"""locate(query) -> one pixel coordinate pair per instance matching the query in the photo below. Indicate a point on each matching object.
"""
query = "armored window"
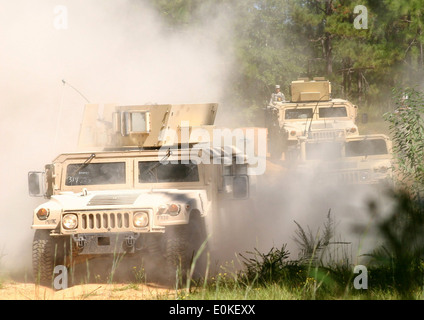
(332, 112)
(82, 174)
(298, 113)
(135, 122)
(138, 122)
(155, 171)
(366, 147)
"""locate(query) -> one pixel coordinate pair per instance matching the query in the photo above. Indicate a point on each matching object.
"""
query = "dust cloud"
(118, 51)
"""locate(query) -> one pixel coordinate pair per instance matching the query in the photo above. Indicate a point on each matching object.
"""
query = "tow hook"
(130, 241)
(81, 241)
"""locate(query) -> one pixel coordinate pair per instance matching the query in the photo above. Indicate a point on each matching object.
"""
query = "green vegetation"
(407, 130)
(277, 41)
(395, 270)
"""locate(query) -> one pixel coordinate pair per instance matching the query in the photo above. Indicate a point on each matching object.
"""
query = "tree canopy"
(277, 41)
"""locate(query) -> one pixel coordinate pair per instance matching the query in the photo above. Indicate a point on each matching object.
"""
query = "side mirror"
(36, 185)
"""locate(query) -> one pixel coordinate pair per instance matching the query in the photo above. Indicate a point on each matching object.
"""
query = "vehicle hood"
(111, 199)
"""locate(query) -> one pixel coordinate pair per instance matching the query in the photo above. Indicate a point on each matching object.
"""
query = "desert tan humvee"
(311, 112)
(364, 159)
(142, 182)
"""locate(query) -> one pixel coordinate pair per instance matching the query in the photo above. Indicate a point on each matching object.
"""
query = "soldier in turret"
(277, 96)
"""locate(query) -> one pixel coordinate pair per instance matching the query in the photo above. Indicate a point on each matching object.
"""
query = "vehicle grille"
(104, 221)
(326, 135)
(107, 221)
(346, 177)
(357, 176)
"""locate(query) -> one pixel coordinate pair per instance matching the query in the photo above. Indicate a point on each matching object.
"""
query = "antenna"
(66, 83)
(313, 113)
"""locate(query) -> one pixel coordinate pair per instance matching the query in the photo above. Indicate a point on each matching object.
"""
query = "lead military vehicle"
(310, 112)
(140, 183)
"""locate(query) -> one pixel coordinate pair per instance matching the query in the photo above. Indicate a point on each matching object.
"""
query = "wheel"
(182, 250)
(197, 248)
(176, 259)
(47, 252)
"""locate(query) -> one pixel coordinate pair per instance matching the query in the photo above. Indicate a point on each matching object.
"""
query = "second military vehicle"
(311, 112)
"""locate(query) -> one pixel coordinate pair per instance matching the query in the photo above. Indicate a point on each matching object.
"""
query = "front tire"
(176, 260)
(181, 246)
(47, 252)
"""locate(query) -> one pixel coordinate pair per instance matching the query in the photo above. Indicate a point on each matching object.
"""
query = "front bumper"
(110, 243)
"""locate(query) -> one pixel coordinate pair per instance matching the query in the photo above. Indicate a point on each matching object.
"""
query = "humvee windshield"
(154, 171)
(366, 147)
(82, 174)
(323, 151)
(332, 112)
(305, 113)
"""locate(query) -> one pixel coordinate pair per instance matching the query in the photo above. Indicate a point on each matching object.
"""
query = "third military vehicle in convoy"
(363, 159)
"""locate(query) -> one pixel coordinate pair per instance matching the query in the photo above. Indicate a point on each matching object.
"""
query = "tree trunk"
(328, 54)
(327, 42)
(359, 86)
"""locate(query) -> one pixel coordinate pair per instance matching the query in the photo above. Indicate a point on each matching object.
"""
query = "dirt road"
(11, 290)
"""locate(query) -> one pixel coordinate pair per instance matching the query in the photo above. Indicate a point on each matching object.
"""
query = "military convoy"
(318, 135)
(155, 179)
(140, 183)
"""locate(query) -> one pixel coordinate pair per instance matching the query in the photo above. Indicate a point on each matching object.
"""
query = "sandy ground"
(11, 290)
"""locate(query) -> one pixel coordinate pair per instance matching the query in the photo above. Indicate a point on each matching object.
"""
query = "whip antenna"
(64, 83)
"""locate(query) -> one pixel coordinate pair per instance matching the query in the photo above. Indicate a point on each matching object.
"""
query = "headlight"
(172, 209)
(70, 221)
(364, 175)
(381, 169)
(43, 213)
(141, 219)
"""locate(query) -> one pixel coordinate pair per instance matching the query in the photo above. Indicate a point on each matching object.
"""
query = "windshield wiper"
(157, 164)
(86, 162)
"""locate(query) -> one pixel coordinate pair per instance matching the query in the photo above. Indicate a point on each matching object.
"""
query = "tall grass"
(398, 263)
(395, 270)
